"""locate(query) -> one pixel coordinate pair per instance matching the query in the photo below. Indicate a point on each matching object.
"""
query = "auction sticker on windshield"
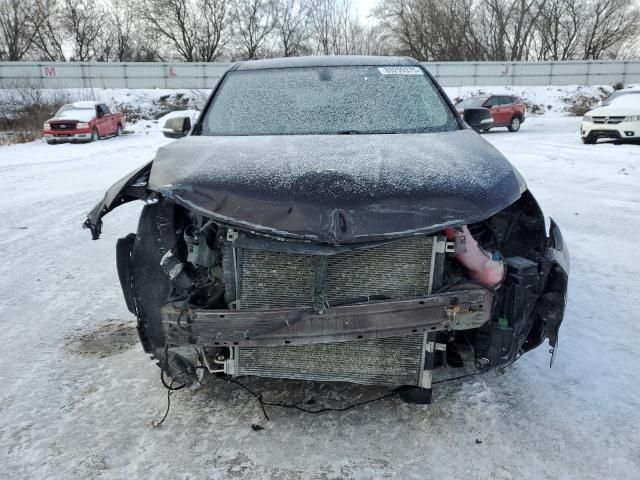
(400, 70)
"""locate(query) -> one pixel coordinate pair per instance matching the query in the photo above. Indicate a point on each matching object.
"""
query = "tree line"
(216, 30)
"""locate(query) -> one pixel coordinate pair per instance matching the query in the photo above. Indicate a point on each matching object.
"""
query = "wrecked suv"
(333, 219)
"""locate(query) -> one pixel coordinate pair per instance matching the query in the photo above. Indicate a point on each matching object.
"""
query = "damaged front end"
(391, 310)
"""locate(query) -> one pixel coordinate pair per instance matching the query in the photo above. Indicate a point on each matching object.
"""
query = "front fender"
(131, 187)
(552, 303)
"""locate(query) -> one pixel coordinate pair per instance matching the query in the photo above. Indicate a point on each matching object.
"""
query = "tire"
(514, 125)
(150, 285)
(415, 395)
(95, 136)
(588, 140)
(119, 131)
(51, 142)
(485, 130)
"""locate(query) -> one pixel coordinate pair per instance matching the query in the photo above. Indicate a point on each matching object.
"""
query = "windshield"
(327, 100)
(70, 108)
(473, 102)
(616, 96)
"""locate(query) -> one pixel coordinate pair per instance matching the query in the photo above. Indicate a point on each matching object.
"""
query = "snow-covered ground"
(151, 103)
(78, 394)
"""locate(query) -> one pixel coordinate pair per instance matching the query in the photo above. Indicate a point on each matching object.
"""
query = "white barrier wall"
(206, 75)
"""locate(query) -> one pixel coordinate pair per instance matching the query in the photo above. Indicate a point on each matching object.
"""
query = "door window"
(492, 102)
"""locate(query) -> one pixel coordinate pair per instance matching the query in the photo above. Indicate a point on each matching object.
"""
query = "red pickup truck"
(506, 110)
(83, 122)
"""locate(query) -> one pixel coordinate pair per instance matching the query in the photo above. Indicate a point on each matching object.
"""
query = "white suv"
(619, 119)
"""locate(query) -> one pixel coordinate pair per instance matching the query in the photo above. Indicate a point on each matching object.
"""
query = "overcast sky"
(363, 7)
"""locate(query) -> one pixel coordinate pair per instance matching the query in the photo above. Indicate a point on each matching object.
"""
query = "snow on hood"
(338, 188)
(83, 115)
(623, 105)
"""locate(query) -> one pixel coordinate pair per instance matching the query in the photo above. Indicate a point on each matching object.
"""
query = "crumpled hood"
(338, 188)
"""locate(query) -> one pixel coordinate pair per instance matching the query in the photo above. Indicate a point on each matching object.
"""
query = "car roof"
(85, 104)
(325, 61)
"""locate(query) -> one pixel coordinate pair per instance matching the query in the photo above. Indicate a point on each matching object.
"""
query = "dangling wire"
(263, 404)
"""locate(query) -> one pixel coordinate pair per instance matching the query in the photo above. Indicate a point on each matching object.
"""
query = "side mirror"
(176, 127)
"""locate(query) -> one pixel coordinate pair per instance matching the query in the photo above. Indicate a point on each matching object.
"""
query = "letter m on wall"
(49, 71)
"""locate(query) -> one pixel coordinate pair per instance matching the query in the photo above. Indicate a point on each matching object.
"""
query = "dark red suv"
(506, 110)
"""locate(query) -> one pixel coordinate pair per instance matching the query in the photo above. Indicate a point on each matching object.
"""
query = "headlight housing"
(587, 118)
(632, 118)
(83, 125)
(46, 126)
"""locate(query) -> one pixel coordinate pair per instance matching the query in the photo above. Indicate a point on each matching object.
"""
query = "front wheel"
(514, 126)
(588, 140)
(95, 136)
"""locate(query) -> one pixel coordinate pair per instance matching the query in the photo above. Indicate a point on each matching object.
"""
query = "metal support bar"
(429, 361)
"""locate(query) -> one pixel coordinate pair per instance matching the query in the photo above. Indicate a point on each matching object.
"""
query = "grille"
(608, 120)
(384, 361)
(63, 125)
(398, 269)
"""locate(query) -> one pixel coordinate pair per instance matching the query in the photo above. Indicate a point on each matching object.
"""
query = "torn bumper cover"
(449, 311)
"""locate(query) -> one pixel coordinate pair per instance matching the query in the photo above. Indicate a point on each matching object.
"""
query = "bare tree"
(214, 33)
(48, 37)
(82, 20)
(336, 29)
(196, 29)
(254, 21)
(432, 30)
(375, 42)
(292, 27)
(558, 30)
(16, 31)
(609, 24)
(509, 26)
(122, 20)
(325, 17)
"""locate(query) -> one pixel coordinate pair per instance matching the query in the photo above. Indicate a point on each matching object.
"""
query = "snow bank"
(151, 104)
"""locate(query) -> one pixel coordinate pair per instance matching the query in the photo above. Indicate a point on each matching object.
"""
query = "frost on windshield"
(327, 100)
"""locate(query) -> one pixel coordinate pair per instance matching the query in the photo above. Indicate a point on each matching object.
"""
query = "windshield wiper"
(349, 132)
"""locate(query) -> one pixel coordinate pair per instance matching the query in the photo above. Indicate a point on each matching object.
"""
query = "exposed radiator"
(386, 361)
(398, 269)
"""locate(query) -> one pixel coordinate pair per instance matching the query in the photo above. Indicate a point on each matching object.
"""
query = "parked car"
(618, 120)
(506, 110)
(83, 122)
(334, 219)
